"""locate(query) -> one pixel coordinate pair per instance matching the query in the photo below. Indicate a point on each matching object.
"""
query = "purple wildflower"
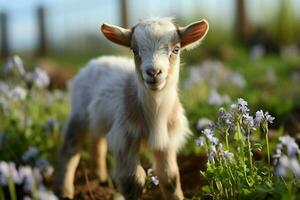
(290, 143)
(203, 123)
(269, 118)
(243, 106)
(27, 177)
(257, 51)
(32, 152)
(200, 141)
(228, 122)
(213, 149)
(41, 78)
(155, 180)
(4, 88)
(212, 153)
(295, 167)
(233, 108)
(288, 164)
(277, 154)
(216, 99)
(4, 173)
(211, 125)
(42, 164)
(209, 134)
(259, 115)
(248, 120)
(14, 62)
(18, 93)
(27, 198)
(281, 169)
(225, 118)
(226, 154)
(219, 146)
(44, 194)
(51, 125)
(222, 112)
(8, 169)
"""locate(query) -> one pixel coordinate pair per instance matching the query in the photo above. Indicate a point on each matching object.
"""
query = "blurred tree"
(242, 28)
(42, 39)
(285, 23)
(124, 13)
(5, 51)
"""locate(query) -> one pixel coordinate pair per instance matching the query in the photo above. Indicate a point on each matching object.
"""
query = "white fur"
(99, 95)
(97, 91)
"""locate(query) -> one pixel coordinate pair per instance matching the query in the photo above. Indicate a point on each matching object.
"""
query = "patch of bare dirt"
(88, 187)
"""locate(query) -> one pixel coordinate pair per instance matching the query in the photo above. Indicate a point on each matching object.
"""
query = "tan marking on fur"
(173, 119)
(173, 64)
(167, 170)
(99, 151)
(67, 182)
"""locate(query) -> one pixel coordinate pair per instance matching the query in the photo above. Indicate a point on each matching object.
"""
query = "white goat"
(132, 104)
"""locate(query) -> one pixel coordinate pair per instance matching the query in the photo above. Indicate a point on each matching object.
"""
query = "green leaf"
(257, 147)
(206, 189)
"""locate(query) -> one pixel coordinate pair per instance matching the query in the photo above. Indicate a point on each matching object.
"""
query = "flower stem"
(1, 194)
(232, 181)
(12, 189)
(226, 138)
(268, 147)
(242, 153)
(249, 149)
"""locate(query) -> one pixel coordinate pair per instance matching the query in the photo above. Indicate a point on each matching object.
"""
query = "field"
(230, 89)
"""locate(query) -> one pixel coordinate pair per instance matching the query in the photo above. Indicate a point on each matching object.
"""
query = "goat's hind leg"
(99, 151)
(69, 156)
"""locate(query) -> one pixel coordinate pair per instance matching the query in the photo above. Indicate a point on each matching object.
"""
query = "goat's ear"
(117, 34)
(192, 34)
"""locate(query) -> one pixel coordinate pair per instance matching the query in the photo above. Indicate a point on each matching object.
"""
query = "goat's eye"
(135, 52)
(175, 50)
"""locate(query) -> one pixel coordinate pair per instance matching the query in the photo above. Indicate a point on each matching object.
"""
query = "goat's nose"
(153, 72)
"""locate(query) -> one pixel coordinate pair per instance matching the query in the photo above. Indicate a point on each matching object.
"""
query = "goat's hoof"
(104, 183)
(117, 196)
(107, 183)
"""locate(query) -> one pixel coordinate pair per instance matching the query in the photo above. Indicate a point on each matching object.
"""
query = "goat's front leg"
(166, 169)
(129, 175)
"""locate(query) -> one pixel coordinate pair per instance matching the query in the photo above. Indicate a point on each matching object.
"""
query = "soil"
(88, 187)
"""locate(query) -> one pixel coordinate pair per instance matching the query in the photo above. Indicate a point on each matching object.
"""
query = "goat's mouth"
(155, 84)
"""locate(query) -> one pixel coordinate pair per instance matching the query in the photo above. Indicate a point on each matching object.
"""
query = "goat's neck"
(159, 103)
(157, 108)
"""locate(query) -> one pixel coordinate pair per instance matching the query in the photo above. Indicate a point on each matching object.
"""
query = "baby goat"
(132, 104)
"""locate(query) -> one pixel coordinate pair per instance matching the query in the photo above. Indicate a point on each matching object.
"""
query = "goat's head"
(156, 46)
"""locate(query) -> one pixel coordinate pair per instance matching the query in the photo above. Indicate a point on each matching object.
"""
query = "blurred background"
(51, 27)
(252, 50)
(257, 39)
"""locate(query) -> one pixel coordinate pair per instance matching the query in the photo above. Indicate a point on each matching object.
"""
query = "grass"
(271, 85)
